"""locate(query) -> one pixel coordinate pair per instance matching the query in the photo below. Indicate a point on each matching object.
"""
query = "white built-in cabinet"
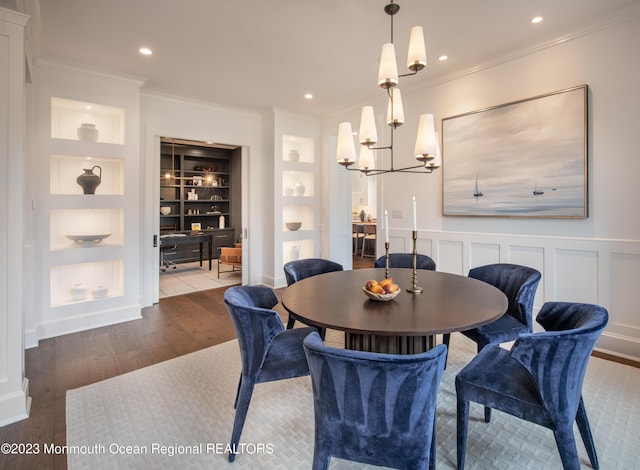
(89, 238)
(86, 229)
(297, 191)
(298, 195)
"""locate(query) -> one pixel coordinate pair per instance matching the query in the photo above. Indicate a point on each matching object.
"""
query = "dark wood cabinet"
(195, 195)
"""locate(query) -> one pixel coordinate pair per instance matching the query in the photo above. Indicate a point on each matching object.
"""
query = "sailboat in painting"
(536, 190)
(476, 191)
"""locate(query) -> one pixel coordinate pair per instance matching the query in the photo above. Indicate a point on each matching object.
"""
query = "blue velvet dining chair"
(298, 270)
(540, 379)
(374, 408)
(268, 351)
(519, 284)
(405, 260)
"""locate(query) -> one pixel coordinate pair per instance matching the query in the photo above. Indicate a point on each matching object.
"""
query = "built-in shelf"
(65, 170)
(69, 281)
(85, 121)
(86, 228)
(298, 201)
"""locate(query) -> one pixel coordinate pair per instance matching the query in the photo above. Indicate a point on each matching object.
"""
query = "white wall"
(588, 260)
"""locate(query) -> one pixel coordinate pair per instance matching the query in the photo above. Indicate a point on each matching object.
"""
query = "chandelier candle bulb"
(366, 161)
(388, 72)
(395, 111)
(346, 151)
(425, 148)
(368, 132)
(417, 56)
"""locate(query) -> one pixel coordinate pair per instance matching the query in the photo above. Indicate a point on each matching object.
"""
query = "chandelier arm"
(409, 169)
(408, 74)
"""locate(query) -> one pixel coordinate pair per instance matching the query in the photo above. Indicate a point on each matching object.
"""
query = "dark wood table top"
(449, 303)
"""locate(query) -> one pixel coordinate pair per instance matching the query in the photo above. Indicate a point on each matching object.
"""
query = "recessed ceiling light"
(443, 58)
(308, 96)
(537, 19)
(145, 51)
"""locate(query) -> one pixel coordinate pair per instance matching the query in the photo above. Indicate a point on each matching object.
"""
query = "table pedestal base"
(389, 344)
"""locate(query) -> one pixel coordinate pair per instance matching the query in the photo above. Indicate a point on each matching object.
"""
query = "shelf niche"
(298, 249)
(65, 169)
(65, 222)
(296, 149)
(91, 275)
(68, 115)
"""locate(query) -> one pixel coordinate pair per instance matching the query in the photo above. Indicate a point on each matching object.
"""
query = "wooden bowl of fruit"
(382, 291)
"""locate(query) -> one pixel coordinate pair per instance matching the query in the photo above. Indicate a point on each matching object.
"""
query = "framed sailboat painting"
(526, 158)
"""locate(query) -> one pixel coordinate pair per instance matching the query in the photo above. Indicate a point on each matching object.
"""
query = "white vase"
(288, 191)
(221, 221)
(79, 291)
(99, 291)
(165, 210)
(294, 252)
(299, 189)
(294, 155)
(88, 132)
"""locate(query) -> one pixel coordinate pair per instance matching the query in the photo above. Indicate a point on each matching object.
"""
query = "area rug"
(179, 413)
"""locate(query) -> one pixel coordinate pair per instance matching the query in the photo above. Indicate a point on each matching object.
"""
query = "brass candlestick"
(414, 289)
(386, 260)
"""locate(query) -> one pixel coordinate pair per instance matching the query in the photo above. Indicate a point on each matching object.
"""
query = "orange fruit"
(386, 282)
(377, 289)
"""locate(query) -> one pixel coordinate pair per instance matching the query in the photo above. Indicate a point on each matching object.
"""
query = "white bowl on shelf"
(165, 210)
(88, 240)
(78, 292)
(99, 292)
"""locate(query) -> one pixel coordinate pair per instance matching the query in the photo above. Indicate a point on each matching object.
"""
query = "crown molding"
(90, 71)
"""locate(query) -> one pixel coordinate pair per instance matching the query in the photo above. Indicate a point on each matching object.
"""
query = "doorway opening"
(200, 216)
(364, 220)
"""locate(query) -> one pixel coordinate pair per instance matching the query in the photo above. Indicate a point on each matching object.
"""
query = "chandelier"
(426, 151)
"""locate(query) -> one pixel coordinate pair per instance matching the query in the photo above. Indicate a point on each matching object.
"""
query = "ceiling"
(257, 54)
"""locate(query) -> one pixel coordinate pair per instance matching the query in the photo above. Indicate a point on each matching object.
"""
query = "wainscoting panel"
(425, 246)
(449, 257)
(481, 254)
(598, 271)
(576, 276)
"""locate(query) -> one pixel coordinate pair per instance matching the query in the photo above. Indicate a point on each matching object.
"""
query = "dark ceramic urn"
(89, 181)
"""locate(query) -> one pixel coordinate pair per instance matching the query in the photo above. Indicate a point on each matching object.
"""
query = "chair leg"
(566, 442)
(290, 322)
(432, 452)
(235, 402)
(446, 338)
(461, 423)
(244, 398)
(487, 414)
(585, 431)
(321, 460)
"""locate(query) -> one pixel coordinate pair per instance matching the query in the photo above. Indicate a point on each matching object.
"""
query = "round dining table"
(409, 323)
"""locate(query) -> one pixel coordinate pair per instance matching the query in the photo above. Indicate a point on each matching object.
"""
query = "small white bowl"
(381, 297)
(99, 292)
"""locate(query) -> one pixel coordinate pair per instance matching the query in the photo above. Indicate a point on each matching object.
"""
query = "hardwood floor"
(175, 326)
